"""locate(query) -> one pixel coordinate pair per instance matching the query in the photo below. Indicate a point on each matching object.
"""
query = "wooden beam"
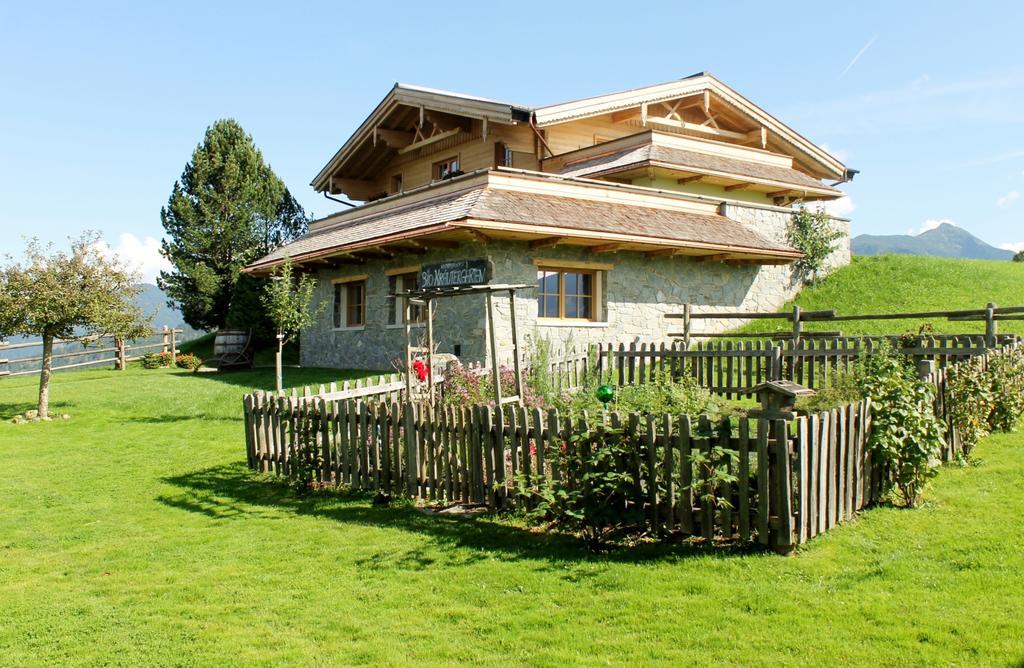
(690, 179)
(737, 186)
(779, 193)
(685, 125)
(666, 252)
(720, 257)
(395, 138)
(606, 248)
(546, 241)
(759, 136)
(444, 122)
(477, 235)
(429, 140)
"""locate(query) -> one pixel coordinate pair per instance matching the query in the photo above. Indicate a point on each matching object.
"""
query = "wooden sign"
(455, 273)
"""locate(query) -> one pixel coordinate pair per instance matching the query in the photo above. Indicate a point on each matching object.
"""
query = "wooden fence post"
(775, 364)
(990, 325)
(165, 341)
(120, 357)
(174, 348)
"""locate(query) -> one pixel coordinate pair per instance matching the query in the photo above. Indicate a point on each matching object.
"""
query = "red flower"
(421, 369)
(533, 450)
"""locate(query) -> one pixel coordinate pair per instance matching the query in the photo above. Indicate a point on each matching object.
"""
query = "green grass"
(203, 347)
(902, 284)
(133, 534)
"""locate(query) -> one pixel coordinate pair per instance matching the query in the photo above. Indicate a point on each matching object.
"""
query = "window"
(568, 294)
(502, 155)
(350, 304)
(404, 283)
(396, 183)
(447, 168)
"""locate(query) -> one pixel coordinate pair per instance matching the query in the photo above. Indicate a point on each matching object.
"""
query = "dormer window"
(447, 168)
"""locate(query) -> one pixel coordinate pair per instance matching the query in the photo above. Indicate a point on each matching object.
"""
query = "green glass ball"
(605, 393)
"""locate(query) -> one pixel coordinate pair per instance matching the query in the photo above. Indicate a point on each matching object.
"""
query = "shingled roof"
(647, 155)
(481, 203)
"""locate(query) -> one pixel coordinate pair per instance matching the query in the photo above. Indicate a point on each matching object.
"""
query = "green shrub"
(600, 496)
(1006, 375)
(970, 402)
(664, 394)
(812, 233)
(845, 387)
(189, 361)
(906, 437)
(156, 360)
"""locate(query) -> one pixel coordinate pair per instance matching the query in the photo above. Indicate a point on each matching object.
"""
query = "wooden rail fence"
(112, 350)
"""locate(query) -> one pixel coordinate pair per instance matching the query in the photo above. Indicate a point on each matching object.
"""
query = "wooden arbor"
(426, 297)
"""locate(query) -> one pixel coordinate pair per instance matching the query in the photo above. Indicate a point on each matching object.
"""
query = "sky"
(101, 105)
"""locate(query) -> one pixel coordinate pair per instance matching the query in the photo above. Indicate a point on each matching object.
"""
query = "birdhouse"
(778, 399)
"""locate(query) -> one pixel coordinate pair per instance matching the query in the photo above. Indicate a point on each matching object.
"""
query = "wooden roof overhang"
(689, 160)
(700, 106)
(494, 205)
(408, 119)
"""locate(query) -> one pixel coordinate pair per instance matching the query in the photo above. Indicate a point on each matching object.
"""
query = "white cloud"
(1008, 199)
(840, 208)
(840, 154)
(142, 255)
(1016, 247)
(930, 224)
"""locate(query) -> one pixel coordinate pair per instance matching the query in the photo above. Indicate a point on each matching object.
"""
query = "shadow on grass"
(9, 410)
(232, 491)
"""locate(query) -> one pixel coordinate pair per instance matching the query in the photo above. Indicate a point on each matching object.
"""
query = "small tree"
(75, 295)
(811, 233)
(287, 300)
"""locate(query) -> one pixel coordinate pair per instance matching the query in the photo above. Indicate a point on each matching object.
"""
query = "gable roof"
(692, 85)
(430, 98)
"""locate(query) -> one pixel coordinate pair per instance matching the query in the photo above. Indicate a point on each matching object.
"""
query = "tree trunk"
(44, 377)
(277, 362)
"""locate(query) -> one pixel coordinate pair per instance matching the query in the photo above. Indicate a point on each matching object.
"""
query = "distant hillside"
(902, 284)
(152, 300)
(944, 241)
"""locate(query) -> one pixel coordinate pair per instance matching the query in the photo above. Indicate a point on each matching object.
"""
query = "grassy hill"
(900, 283)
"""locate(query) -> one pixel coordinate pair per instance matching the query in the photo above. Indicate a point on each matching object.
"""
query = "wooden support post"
(174, 347)
(165, 341)
(495, 373)
(515, 345)
(430, 351)
(990, 326)
(687, 311)
(408, 348)
(775, 368)
(797, 326)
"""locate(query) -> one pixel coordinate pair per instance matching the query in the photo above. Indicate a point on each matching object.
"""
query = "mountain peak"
(946, 240)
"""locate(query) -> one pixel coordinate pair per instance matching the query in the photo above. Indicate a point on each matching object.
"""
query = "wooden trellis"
(426, 297)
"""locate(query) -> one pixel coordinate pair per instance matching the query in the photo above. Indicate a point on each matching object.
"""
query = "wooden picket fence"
(733, 368)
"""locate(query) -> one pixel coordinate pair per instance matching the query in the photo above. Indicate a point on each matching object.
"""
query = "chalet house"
(618, 208)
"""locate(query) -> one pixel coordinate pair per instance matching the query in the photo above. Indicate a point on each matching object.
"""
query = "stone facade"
(634, 295)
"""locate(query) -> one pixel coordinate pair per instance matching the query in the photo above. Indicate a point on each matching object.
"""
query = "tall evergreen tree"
(228, 209)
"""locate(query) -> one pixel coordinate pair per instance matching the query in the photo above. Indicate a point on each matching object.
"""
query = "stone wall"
(636, 293)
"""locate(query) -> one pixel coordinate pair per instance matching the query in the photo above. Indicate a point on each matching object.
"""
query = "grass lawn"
(133, 534)
(903, 284)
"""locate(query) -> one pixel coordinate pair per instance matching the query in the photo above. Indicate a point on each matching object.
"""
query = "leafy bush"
(845, 387)
(600, 495)
(1006, 375)
(970, 401)
(664, 394)
(812, 233)
(906, 437)
(156, 360)
(306, 458)
(466, 387)
(189, 361)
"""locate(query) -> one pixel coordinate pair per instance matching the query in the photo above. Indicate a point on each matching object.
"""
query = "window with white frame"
(399, 283)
